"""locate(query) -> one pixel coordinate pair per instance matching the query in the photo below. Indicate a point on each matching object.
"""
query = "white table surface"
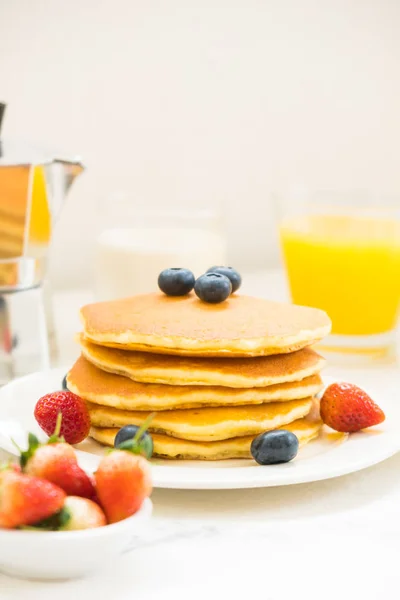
(338, 538)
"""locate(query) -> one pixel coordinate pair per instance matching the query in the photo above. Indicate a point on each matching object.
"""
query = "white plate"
(329, 456)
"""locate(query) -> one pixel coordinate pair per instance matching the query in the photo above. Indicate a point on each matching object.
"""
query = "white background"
(189, 102)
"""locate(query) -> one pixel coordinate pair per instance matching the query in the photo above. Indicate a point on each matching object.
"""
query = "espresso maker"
(33, 187)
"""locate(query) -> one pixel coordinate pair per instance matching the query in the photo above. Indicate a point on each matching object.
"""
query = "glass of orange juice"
(342, 254)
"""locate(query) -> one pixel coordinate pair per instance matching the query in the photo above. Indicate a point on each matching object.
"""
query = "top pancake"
(260, 371)
(240, 326)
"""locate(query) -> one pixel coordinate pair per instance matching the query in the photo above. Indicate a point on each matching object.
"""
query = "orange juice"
(347, 265)
(40, 223)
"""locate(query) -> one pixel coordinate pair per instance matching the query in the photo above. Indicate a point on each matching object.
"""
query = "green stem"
(144, 426)
(16, 445)
(58, 425)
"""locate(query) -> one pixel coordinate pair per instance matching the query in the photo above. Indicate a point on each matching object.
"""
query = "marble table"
(335, 538)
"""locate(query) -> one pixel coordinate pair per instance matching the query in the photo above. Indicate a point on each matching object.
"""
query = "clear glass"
(135, 244)
(341, 252)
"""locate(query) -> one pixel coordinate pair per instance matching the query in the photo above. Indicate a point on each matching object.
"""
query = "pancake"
(173, 448)
(207, 424)
(259, 371)
(240, 326)
(106, 389)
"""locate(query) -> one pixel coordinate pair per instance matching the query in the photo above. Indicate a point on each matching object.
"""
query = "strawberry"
(123, 481)
(347, 408)
(75, 415)
(82, 514)
(25, 500)
(56, 461)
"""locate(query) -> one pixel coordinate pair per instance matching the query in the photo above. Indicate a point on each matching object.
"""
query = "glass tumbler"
(341, 253)
(134, 245)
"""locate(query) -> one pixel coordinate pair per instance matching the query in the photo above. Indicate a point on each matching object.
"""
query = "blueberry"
(64, 383)
(125, 440)
(213, 288)
(231, 273)
(125, 433)
(176, 282)
(272, 447)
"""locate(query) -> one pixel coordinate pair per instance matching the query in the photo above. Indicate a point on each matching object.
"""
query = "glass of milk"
(134, 245)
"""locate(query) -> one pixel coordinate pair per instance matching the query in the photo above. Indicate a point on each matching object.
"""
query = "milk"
(128, 261)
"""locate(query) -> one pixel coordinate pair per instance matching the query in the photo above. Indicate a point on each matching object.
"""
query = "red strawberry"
(123, 481)
(57, 463)
(83, 514)
(25, 500)
(75, 415)
(347, 408)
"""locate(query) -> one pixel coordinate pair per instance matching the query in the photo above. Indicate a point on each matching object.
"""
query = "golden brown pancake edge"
(249, 372)
(240, 326)
(176, 449)
(100, 387)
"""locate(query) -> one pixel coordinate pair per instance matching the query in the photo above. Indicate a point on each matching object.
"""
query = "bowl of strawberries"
(57, 521)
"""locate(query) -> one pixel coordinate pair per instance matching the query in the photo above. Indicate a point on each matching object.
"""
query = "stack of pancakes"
(215, 376)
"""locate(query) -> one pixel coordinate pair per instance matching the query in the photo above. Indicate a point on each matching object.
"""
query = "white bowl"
(67, 554)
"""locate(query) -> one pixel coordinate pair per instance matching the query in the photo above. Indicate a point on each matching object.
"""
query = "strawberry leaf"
(33, 445)
(53, 523)
(33, 441)
(64, 516)
(143, 446)
(130, 445)
(55, 439)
